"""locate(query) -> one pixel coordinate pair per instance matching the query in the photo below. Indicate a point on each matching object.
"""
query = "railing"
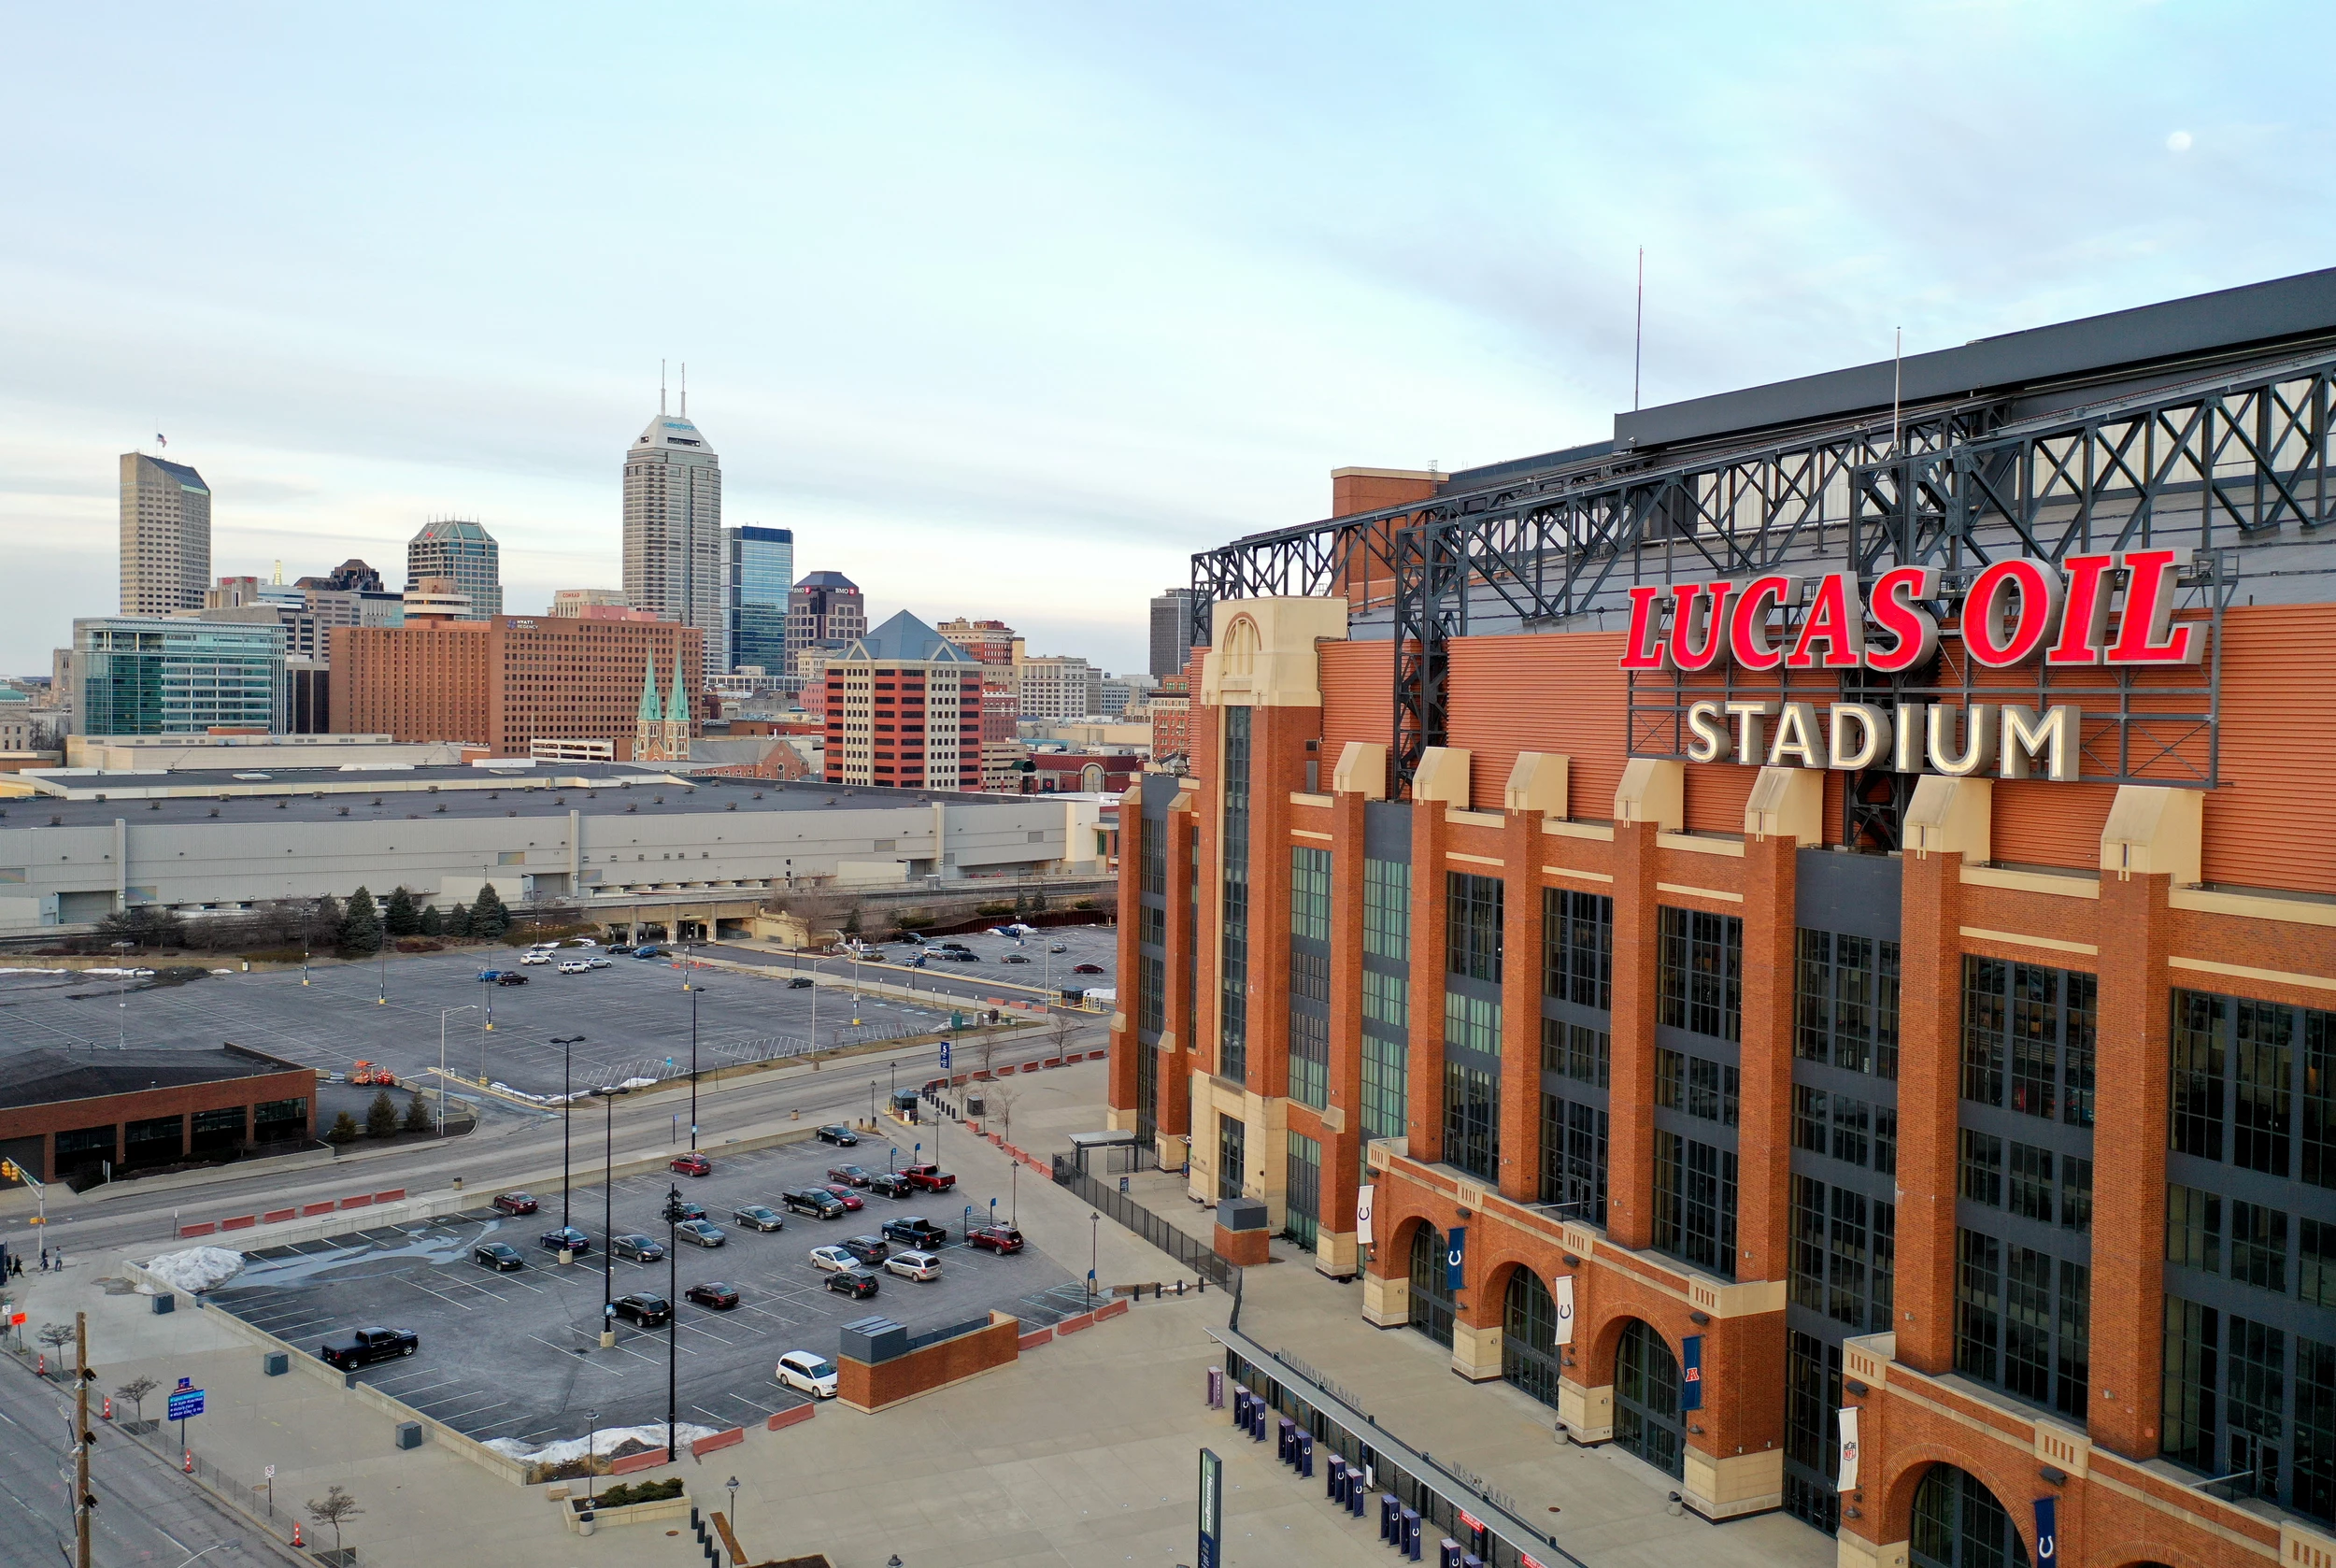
(948, 1331)
(1201, 1259)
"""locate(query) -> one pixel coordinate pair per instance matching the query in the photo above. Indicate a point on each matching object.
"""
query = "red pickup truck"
(929, 1178)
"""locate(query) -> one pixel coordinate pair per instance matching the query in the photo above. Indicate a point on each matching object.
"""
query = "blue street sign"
(1691, 1373)
(1455, 1255)
(185, 1402)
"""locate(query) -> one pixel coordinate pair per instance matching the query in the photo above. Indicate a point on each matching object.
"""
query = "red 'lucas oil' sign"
(2090, 610)
(2015, 610)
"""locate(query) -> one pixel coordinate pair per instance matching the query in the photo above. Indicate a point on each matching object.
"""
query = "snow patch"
(197, 1269)
(638, 1083)
(601, 1444)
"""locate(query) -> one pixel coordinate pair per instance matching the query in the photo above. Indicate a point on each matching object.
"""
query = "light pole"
(694, 991)
(609, 1093)
(444, 1014)
(1094, 1254)
(384, 1000)
(871, 1115)
(303, 966)
(732, 1486)
(592, 1438)
(673, 1311)
(567, 1107)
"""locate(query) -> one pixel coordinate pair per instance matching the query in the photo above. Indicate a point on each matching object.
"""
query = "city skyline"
(1136, 341)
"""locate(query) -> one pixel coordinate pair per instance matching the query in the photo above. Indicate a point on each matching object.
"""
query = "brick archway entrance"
(1958, 1523)
(1430, 1295)
(1647, 1421)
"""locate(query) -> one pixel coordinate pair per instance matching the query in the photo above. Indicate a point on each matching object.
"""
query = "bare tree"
(335, 1506)
(1058, 1027)
(986, 1047)
(136, 1391)
(1001, 1097)
(56, 1336)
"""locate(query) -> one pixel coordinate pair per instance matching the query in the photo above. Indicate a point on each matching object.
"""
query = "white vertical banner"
(1564, 1295)
(1362, 1213)
(1848, 1448)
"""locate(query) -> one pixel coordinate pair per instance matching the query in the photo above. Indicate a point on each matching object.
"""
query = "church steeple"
(648, 727)
(677, 718)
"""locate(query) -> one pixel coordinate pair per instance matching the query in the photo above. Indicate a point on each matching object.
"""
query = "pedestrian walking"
(44, 1260)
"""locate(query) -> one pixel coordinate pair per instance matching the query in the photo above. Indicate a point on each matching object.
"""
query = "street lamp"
(444, 1014)
(694, 991)
(567, 1107)
(871, 1115)
(384, 1000)
(609, 1093)
(673, 1311)
(592, 1438)
(733, 1484)
(1094, 1254)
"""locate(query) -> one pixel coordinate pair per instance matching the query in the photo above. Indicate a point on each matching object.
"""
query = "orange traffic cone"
(110, 1408)
(40, 1365)
(190, 1453)
(295, 1533)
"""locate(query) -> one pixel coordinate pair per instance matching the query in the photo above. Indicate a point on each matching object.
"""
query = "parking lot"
(516, 1354)
(634, 1015)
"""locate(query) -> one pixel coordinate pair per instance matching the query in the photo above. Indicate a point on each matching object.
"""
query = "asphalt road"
(147, 1513)
(512, 1143)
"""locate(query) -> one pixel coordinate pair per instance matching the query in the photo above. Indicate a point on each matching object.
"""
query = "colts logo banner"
(1454, 1254)
(1564, 1296)
(2048, 1530)
(1691, 1373)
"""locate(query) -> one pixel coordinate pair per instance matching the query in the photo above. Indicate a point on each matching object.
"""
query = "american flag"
(161, 440)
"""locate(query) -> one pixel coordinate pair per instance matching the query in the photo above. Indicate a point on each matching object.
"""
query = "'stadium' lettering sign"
(2015, 612)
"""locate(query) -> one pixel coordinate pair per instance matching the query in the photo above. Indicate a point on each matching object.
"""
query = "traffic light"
(9, 1170)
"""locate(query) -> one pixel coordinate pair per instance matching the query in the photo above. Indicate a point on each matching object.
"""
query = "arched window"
(1528, 1337)
(1647, 1420)
(1430, 1297)
(1241, 646)
(1091, 777)
(1958, 1524)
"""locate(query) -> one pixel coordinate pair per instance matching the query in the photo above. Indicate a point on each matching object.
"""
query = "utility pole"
(81, 1439)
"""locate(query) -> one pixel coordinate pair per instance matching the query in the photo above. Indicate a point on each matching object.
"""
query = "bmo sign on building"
(1991, 677)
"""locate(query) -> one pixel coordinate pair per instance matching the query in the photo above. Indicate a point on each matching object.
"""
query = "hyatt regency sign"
(2016, 612)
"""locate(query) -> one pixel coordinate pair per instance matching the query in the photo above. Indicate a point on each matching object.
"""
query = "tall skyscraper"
(465, 552)
(762, 573)
(824, 609)
(1172, 631)
(166, 537)
(673, 528)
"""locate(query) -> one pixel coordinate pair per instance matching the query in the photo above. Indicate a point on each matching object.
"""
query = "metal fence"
(948, 1331)
(1200, 1259)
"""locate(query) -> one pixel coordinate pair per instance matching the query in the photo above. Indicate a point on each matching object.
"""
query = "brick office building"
(508, 680)
(904, 708)
(63, 1112)
(1809, 925)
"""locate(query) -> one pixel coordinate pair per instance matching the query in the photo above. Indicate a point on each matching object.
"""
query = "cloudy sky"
(1007, 308)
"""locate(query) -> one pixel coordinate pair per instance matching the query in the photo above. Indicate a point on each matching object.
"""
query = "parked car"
(892, 1184)
(639, 1247)
(534, 955)
(852, 1283)
(595, 961)
(838, 1133)
(915, 1229)
(700, 1233)
(1086, 969)
(619, 947)
(867, 1250)
(851, 1200)
(800, 982)
(497, 1255)
(368, 1345)
(807, 1374)
(1058, 947)
(566, 1239)
(643, 1309)
(574, 966)
(758, 1216)
(583, 942)
(1013, 958)
(929, 1178)
(693, 1165)
(963, 957)
(690, 1208)
(831, 1258)
(489, 976)
(1000, 1239)
(851, 1176)
(722, 1297)
(510, 977)
(955, 948)
(919, 1266)
(513, 1202)
(817, 1202)
(649, 951)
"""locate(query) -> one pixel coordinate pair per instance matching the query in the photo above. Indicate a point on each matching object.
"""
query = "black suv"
(867, 1250)
(644, 1309)
(811, 1201)
(890, 1184)
(915, 1229)
(851, 1282)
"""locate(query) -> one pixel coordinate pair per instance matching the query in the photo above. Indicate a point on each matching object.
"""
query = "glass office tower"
(760, 570)
(135, 675)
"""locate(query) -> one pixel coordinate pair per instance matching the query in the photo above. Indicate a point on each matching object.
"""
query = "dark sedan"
(566, 1239)
(838, 1133)
(714, 1293)
(497, 1255)
(852, 1283)
(514, 1202)
(851, 1176)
